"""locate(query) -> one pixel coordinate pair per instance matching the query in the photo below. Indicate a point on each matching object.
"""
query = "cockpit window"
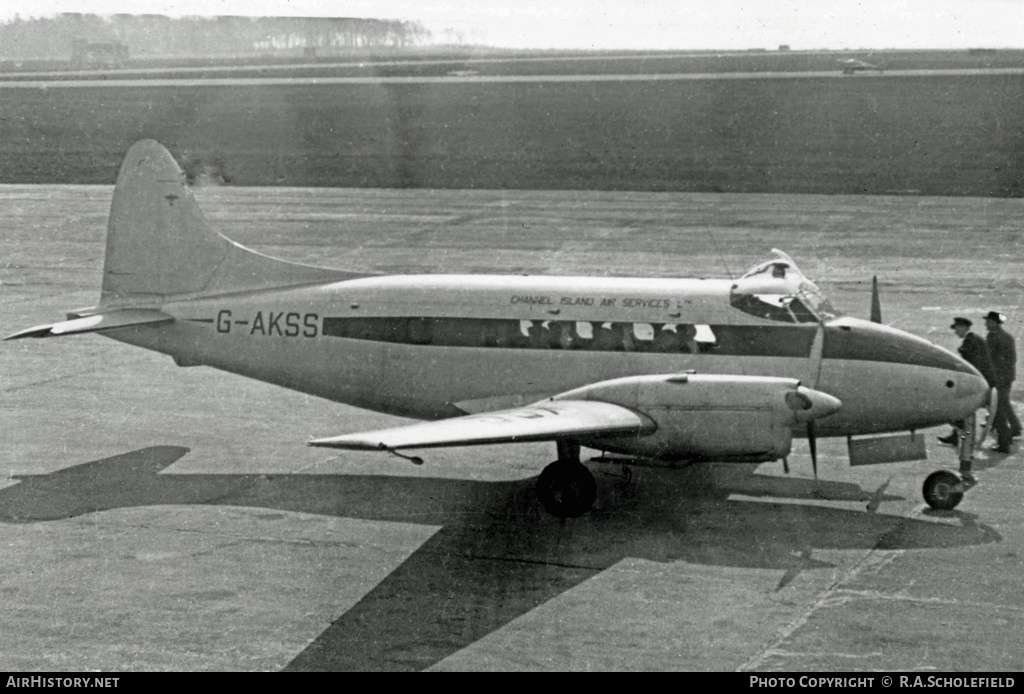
(816, 301)
(776, 290)
(773, 307)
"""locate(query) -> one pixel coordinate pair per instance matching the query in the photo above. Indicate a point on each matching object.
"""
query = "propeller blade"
(812, 441)
(814, 359)
(876, 302)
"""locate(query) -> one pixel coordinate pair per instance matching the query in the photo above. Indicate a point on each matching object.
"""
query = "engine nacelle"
(710, 417)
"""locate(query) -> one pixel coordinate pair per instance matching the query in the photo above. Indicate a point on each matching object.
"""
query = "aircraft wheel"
(943, 490)
(566, 489)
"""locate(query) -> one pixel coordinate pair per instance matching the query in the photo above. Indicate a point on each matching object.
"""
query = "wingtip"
(37, 331)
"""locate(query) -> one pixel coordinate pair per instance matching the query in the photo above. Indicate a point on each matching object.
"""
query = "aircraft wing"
(95, 323)
(542, 421)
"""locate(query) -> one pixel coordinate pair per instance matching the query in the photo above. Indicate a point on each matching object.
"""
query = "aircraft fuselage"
(436, 346)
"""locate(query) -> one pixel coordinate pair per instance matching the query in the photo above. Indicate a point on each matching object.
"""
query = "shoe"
(969, 479)
(999, 449)
(950, 440)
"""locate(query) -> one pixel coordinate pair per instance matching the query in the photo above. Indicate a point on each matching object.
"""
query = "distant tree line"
(160, 36)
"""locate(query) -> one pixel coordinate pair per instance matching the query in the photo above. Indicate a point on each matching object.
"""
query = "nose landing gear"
(944, 489)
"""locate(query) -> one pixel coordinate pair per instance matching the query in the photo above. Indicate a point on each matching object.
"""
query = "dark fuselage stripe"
(790, 340)
(672, 338)
(785, 340)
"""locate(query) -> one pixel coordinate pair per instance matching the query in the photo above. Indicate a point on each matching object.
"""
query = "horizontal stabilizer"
(542, 421)
(96, 323)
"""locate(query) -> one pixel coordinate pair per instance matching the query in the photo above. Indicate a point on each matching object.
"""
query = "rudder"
(158, 242)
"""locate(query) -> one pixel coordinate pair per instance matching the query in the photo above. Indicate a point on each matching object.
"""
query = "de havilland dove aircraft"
(656, 371)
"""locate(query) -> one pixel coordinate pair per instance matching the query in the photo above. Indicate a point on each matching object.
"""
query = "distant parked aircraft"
(852, 65)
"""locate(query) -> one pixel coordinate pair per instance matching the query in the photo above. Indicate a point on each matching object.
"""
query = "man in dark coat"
(973, 349)
(975, 352)
(1003, 352)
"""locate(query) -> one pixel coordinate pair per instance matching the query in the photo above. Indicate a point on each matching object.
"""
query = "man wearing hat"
(1003, 353)
(975, 352)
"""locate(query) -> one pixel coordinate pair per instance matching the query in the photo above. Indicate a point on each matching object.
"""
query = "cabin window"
(643, 332)
(538, 337)
(643, 337)
(705, 337)
(420, 331)
(673, 337)
(668, 338)
(495, 333)
(613, 337)
(581, 335)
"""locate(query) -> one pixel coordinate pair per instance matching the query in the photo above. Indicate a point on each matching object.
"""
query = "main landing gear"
(565, 487)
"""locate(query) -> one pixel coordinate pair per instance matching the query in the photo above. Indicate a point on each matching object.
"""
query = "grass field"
(382, 62)
(939, 134)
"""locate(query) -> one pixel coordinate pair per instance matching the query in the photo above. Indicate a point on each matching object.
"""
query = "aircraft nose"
(973, 389)
(915, 383)
(970, 389)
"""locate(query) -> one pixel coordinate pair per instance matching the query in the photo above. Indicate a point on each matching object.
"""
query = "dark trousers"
(1011, 415)
(1006, 422)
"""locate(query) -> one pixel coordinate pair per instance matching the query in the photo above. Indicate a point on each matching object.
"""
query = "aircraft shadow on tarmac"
(497, 555)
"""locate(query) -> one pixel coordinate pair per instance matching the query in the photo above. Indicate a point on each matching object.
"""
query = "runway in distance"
(656, 371)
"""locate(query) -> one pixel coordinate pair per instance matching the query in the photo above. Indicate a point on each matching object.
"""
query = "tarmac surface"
(159, 518)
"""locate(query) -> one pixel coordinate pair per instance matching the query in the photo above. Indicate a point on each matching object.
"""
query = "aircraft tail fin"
(159, 244)
(876, 301)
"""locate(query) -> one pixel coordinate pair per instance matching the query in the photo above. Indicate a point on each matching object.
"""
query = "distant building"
(89, 54)
(783, 47)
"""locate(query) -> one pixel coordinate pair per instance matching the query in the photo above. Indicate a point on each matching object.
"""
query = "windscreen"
(777, 290)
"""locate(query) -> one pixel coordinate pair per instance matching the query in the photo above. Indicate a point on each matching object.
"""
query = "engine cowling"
(710, 417)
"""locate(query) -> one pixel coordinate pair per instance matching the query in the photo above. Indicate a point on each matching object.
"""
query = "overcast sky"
(639, 24)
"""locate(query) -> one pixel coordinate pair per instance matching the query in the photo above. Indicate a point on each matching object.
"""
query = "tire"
(943, 490)
(566, 489)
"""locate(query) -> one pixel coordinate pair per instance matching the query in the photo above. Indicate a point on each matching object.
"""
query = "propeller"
(812, 443)
(809, 405)
(817, 352)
